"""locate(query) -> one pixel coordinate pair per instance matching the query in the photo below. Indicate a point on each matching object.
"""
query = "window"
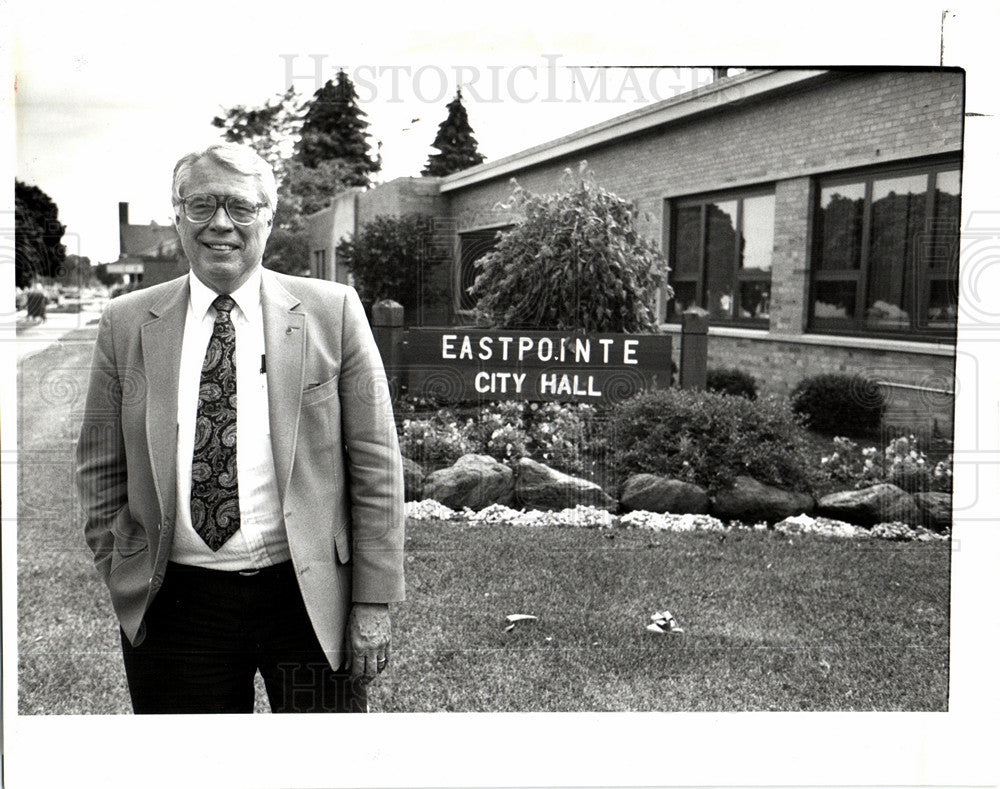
(473, 246)
(721, 257)
(885, 252)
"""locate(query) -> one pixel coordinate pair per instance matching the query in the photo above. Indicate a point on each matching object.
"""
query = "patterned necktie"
(215, 500)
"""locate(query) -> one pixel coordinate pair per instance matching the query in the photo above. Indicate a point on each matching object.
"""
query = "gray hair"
(240, 158)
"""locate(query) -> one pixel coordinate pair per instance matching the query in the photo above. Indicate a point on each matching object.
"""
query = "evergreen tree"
(335, 128)
(38, 247)
(458, 148)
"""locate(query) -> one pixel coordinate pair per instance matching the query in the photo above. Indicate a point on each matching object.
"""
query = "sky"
(110, 96)
(109, 93)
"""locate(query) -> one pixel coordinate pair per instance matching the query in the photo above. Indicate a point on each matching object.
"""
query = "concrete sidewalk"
(33, 336)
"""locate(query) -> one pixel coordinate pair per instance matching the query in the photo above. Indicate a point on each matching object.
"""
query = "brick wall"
(837, 122)
(848, 120)
(917, 385)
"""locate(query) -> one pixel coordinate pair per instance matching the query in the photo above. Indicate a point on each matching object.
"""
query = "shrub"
(497, 429)
(392, 258)
(902, 463)
(575, 260)
(710, 439)
(435, 442)
(732, 381)
(835, 404)
(563, 437)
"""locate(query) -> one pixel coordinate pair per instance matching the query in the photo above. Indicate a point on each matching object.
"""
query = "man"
(239, 469)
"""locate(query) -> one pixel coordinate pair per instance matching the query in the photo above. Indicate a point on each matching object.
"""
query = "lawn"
(811, 623)
(770, 623)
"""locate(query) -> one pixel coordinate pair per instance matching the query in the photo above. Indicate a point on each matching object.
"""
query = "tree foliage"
(392, 258)
(306, 190)
(458, 148)
(287, 251)
(38, 247)
(269, 129)
(574, 261)
(335, 128)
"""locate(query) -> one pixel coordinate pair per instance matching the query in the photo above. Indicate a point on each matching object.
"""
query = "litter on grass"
(515, 618)
(663, 622)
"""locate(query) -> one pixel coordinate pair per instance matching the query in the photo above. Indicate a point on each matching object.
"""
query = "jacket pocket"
(128, 541)
(320, 392)
(342, 540)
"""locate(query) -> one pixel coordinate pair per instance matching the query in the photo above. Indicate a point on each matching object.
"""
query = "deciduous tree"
(38, 248)
(392, 258)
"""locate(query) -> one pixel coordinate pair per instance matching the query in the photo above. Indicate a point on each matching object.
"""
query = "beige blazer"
(335, 450)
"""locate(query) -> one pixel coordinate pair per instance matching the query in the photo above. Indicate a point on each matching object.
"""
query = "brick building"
(148, 254)
(814, 214)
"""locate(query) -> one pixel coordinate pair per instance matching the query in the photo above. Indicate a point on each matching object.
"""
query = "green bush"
(710, 439)
(568, 437)
(436, 441)
(732, 381)
(393, 258)
(903, 462)
(837, 404)
(574, 260)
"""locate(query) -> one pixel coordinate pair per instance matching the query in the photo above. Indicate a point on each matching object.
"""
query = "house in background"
(813, 213)
(149, 254)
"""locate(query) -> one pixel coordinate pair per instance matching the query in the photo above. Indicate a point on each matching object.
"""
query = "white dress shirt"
(261, 540)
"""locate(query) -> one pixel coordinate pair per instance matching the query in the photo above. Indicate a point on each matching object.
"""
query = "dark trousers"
(208, 633)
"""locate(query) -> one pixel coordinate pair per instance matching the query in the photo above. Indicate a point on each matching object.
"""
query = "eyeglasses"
(200, 208)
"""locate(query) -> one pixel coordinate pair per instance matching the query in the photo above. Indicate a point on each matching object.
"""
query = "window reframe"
(737, 275)
(920, 278)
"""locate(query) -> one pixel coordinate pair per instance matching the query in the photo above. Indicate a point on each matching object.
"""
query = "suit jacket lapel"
(161, 352)
(284, 346)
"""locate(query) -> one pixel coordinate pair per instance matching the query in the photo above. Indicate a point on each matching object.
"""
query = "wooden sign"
(458, 365)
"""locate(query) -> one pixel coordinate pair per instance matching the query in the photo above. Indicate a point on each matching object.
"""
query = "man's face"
(223, 254)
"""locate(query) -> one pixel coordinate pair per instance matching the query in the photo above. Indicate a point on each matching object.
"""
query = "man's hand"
(368, 635)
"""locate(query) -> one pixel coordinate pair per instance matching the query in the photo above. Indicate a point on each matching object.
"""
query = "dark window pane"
(835, 300)
(687, 248)
(758, 233)
(684, 297)
(946, 220)
(899, 208)
(755, 300)
(720, 257)
(840, 221)
(942, 309)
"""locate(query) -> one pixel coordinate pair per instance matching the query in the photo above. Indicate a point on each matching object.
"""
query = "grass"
(810, 623)
(771, 623)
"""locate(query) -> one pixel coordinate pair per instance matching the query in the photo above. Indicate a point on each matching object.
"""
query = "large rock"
(883, 503)
(413, 480)
(475, 481)
(544, 488)
(661, 494)
(935, 510)
(751, 501)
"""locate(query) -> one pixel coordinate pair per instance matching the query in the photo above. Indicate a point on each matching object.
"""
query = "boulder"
(413, 480)
(661, 494)
(750, 501)
(544, 488)
(884, 503)
(474, 481)
(935, 510)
